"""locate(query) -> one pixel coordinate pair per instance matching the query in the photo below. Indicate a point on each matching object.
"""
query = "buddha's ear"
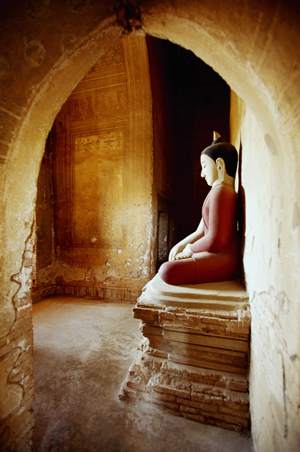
(221, 168)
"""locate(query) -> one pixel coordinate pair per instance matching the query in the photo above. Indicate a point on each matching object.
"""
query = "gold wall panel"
(97, 188)
(103, 168)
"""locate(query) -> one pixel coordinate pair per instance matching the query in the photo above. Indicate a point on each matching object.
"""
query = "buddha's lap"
(201, 268)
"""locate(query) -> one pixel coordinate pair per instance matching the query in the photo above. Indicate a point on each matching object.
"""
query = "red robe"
(216, 255)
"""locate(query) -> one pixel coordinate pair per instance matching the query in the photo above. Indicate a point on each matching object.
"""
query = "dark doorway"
(190, 101)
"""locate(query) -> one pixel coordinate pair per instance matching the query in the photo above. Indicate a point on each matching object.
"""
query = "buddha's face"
(209, 169)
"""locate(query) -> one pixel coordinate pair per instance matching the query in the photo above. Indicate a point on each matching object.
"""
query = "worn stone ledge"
(226, 331)
(222, 400)
(98, 292)
(42, 291)
(208, 326)
(211, 341)
(223, 296)
(210, 405)
(195, 358)
(207, 359)
(206, 364)
(112, 291)
(198, 337)
(195, 379)
(198, 317)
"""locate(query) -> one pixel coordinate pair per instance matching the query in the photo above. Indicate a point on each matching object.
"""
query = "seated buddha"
(212, 252)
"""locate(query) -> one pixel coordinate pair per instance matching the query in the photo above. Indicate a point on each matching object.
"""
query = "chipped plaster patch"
(271, 144)
(34, 53)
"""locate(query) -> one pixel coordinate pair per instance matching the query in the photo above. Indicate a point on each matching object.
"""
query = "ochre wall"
(43, 250)
(103, 177)
(46, 49)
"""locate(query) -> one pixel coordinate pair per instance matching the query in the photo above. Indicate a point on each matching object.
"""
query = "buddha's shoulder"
(224, 189)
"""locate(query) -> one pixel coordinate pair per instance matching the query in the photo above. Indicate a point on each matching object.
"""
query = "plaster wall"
(103, 175)
(274, 367)
(46, 49)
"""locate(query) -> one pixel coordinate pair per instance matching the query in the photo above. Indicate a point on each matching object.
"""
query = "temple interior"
(102, 170)
(105, 108)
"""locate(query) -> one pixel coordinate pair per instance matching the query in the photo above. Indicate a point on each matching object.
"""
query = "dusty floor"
(82, 352)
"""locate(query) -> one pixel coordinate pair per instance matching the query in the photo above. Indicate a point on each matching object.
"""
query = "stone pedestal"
(194, 359)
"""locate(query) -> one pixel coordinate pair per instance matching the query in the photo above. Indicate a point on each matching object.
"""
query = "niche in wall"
(190, 101)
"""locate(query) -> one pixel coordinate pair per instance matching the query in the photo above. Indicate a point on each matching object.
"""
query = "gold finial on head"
(215, 135)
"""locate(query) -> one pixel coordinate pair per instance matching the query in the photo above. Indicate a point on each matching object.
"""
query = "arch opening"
(87, 179)
(265, 76)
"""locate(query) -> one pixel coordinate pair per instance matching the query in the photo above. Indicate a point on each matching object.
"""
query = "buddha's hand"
(185, 254)
(175, 250)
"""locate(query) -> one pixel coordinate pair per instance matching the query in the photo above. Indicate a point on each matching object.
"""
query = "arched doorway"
(253, 48)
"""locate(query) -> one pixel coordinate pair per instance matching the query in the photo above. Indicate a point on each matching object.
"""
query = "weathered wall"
(34, 37)
(47, 48)
(16, 362)
(43, 251)
(103, 176)
(275, 320)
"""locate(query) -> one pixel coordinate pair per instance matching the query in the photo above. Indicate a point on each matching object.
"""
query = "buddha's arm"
(180, 247)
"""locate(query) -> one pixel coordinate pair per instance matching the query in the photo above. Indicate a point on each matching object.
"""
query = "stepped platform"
(194, 358)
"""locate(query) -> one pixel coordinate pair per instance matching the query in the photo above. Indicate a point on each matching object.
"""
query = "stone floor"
(82, 352)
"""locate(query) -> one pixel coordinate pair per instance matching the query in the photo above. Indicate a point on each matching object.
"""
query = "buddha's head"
(219, 161)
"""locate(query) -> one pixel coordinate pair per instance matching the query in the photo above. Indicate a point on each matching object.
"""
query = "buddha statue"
(212, 252)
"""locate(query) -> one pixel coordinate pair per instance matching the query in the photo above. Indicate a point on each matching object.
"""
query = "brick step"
(210, 397)
(228, 328)
(194, 359)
